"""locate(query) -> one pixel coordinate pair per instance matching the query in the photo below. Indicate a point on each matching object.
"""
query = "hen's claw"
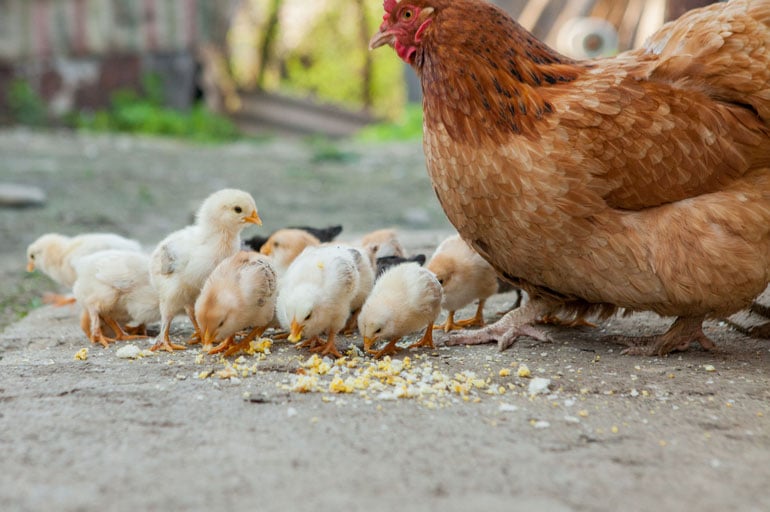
(677, 338)
(515, 324)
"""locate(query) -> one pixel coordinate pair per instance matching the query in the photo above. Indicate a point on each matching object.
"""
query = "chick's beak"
(208, 338)
(253, 218)
(295, 331)
(266, 249)
(30, 266)
(381, 38)
(368, 342)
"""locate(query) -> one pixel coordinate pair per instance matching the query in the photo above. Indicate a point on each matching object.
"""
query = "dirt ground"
(455, 428)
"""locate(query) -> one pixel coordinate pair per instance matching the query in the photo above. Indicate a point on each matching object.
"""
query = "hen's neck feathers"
(476, 58)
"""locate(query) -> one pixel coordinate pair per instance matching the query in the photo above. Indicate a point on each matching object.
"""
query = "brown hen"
(638, 182)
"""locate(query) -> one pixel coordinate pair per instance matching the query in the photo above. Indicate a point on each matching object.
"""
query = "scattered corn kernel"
(81, 355)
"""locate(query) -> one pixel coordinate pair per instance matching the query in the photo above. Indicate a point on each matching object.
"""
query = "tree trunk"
(366, 73)
(268, 38)
(675, 8)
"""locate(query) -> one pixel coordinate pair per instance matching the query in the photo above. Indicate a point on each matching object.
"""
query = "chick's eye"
(238, 209)
(308, 316)
(378, 331)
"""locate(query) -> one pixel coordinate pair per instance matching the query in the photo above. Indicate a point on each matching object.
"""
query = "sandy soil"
(611, 432)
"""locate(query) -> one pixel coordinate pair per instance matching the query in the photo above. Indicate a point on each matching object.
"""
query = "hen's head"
(404, 24)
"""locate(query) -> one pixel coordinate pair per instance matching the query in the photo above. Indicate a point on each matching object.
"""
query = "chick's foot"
(54, 299)
(426, 341)
(515, 324)
(388, 350)
(679, 336)
(328, 348)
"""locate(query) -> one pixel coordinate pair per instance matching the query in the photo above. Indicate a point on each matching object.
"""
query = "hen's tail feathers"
(721, 48)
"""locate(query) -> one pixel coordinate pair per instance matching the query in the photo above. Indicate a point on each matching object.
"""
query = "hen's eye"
(407, 14)
(238, 209)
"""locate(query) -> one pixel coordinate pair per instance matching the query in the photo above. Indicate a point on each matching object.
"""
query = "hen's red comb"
(389, 5)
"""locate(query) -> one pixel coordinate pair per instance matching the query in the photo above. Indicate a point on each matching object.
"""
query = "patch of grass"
(326, 150)
(145, 114)
(25, 104)
(408, 127)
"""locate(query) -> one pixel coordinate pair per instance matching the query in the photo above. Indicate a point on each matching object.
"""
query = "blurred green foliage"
(145, 114)
(25, 104)
(407, 127)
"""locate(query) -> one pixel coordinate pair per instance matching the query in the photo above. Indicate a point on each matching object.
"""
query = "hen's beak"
(253, 218)
(30, 266)
(381, 38)
(295, 331)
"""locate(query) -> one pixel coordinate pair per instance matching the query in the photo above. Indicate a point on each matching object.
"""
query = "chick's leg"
(678, 337)
(515, 324)
(388, 350)
(245, 343)
(578, 321)
(449, 324)
(120, 333)
(223, 346)
(476, 320)
(58, 300)
(329, 347)
(426, 340)
(163, 341)
(196, 335)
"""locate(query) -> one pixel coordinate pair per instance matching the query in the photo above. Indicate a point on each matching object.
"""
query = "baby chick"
(239, 293)
(315, 295)
(323, 235)
(380, 243)
(182, 261)
(465, 276)
(365, 283)
(113, 286)
(55, 255)
(405, 299)
(285, 245)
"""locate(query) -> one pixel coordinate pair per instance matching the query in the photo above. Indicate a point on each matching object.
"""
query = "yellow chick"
(464, 276)
(382, 243)
(55, 255)
(182, 261)
(315, 295)
(405, 299)
(114, 287)
(285, 245)
(238, 294)
(366, 275)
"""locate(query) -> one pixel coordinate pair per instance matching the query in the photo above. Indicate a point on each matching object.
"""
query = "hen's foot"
(679, 336)
(425, 341)
(388, 350)
(54, 299)
(515, 324)
(328, 348)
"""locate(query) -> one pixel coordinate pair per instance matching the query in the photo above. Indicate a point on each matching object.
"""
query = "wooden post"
(366, 73)
(268, 38)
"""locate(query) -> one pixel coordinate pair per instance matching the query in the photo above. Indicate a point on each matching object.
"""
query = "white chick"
(114, 287)
(465, 276)
(366, 277)
(382, 243)
(238, 294)
(315, 295)
(405, 299)
(285, 245)
(55, 255)
(181, 262)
